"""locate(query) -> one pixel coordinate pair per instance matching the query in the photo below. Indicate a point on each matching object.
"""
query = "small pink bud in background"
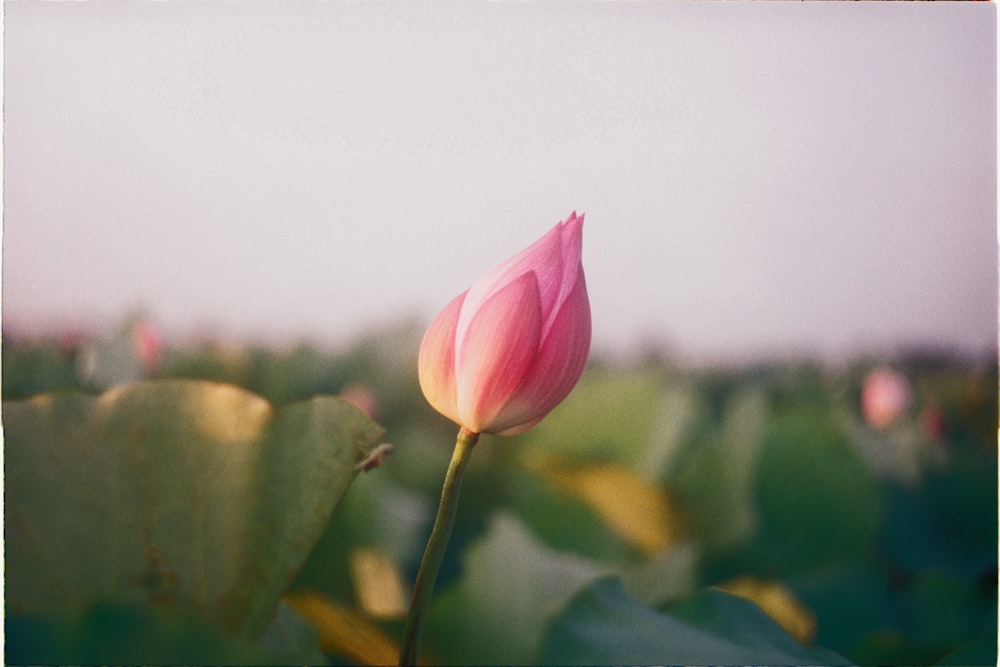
(71, 340)
(885, 396)
(362, 398)
(508, 350)
(147, 345)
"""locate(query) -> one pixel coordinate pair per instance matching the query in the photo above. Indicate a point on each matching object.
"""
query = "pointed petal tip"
(574, 219)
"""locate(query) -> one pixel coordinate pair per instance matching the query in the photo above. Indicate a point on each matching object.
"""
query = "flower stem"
(434, 553)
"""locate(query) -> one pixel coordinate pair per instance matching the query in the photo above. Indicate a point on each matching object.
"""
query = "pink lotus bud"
(147, 346)
(501, 355)
(362, 398)
(885, 396)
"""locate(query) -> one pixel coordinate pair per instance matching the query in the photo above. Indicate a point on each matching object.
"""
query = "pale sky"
(757, 178)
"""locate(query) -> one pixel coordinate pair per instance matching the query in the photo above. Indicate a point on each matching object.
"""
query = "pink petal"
(558, 365)
(436, 362)
(497, 349)
(544, 257)
(572, 256)
(520, 428)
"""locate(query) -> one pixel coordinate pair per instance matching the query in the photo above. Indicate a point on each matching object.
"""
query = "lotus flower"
(885, 396)
(508, 350)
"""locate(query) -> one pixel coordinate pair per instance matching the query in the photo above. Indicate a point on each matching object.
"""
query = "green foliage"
(193, 497)
(566, 523)
(818, 501)
(106, 633)
(604, 624)
(496, 613)
(31, 368)
(717, 478)
(885, 540)
(980, 651)
(608, 418)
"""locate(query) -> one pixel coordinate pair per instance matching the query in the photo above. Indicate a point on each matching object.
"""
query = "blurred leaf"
(495, 614)
(117, 634)
(291, 640)
(901, 453)
(30, 368)
(343, 632)
(376, 514)
(818, 500)
(744, 622)
(666, 577)
(852, 603)
(941, 610)
(183, 494)
(679, 410)
(949, 520)
(777, 601)
(604, 624)
(378, 584)
(716, 481)
(607, 417)
(980, 651)
(561, 521)
(637, 510)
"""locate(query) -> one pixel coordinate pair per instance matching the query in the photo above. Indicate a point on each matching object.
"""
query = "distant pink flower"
(362, 398)
(70, 341)
(508, 350)
(885, 396)
(148, 346)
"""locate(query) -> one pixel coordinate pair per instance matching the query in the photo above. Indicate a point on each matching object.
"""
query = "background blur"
(791, 253)
(757, 178)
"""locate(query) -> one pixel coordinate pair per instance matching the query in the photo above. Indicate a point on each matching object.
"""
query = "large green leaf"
(187, 495)
(604, 624)
(496, 613)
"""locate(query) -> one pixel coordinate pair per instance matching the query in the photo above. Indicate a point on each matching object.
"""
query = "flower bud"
(885, 396)
(505, 352)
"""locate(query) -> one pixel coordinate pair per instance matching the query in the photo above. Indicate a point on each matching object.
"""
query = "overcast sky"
(756, 178)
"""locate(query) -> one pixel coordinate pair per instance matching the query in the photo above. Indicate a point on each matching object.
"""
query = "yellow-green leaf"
(181, 494)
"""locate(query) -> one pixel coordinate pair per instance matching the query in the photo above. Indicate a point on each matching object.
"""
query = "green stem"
(434, 553)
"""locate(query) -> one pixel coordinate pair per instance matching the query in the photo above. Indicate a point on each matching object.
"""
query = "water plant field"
(662, 514)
